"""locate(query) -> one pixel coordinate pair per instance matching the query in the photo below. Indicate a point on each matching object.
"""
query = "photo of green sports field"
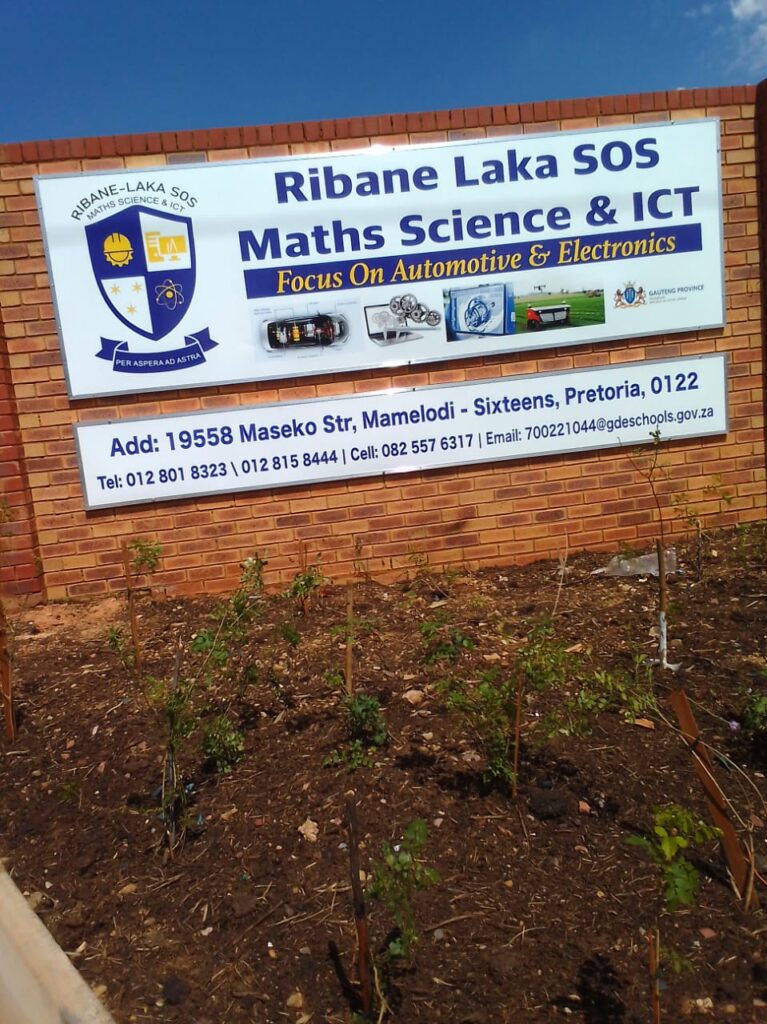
(566, 309)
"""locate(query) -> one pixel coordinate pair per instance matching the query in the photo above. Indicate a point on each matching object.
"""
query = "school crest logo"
(145, 267)
(630, 296)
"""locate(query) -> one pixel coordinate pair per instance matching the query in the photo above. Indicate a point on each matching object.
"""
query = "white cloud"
(699, 12)
(751, 19)
(745, 9)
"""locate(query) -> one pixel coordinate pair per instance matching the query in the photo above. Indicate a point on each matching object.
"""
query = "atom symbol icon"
(169, 294)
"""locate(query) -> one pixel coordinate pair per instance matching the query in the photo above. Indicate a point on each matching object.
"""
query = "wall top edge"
(335, 129)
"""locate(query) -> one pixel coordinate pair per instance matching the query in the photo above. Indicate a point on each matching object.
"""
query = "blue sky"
(87, 68)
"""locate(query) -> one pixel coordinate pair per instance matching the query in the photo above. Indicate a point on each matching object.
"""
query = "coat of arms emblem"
(144, 264)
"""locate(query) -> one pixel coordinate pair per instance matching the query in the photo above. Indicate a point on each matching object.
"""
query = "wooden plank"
(738, 864)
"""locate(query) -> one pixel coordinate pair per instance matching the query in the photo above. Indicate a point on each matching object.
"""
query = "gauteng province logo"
(629, 297)
(144, 265)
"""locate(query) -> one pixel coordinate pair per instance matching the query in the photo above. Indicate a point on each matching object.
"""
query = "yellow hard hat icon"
(117, 250)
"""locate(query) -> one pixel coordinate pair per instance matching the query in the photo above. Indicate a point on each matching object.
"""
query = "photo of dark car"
(318, 331)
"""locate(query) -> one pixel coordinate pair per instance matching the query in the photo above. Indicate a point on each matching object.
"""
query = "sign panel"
(284, 444)
(230, 272)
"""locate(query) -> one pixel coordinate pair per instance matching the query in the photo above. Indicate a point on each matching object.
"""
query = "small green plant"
(209, 644)
(396, 878)
(146, 555)
(248, 676)
(488, 708)
(353, 756)
(235, 613)
(675, 829)
(443, 642)
(356, 628)
(290, 635)
(334, 678)
(304, 584)
(250, 588)
(419, 560)
(679, 964)
(365, 729)
(364, 721)
(118, 643)
(545, 662)
(754, 714)
(173, 700)
(222, 743)
(70, 791)
(604, 691)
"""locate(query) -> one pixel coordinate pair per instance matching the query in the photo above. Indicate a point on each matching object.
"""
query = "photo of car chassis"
(317, 331)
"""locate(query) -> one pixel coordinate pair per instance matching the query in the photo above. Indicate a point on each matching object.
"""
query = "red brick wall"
(484, 515)
(20, 568)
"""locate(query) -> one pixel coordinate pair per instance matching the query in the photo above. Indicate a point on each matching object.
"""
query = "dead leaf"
(575, 649)
(644, 723)
(309, 830)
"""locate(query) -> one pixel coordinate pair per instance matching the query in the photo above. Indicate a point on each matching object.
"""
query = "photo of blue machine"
(486, 309)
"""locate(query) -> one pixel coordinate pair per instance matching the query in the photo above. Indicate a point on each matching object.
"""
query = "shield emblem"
(629, 293)
(144, 263)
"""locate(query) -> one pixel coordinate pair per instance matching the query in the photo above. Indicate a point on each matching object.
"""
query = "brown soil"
(542, 908)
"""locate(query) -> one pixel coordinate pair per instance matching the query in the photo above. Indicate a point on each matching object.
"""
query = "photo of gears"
(403, 318)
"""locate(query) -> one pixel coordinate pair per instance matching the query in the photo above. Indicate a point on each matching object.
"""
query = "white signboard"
(284, 444)
(332, 262)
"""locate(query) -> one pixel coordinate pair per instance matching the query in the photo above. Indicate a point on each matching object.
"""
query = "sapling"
(443, 641)
(139, 557)
(117, 643)
(365, 729)
(364, 721)
(349, 667)
(173, 700)
(222, 743)
(397, 877)
(302, 589)
(146, 555)
(360, 913)
(488, 707)
(675, 829)
(653, 471)
(238, 610)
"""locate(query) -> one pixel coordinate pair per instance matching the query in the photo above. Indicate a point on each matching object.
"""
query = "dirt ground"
(542, 908)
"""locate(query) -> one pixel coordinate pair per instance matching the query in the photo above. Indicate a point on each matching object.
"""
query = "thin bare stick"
(135, 639)
(562, 571)
(349, 642)
(517, 733)
(6, 677)
(653, 961)
(662, 606)
(358, 896)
